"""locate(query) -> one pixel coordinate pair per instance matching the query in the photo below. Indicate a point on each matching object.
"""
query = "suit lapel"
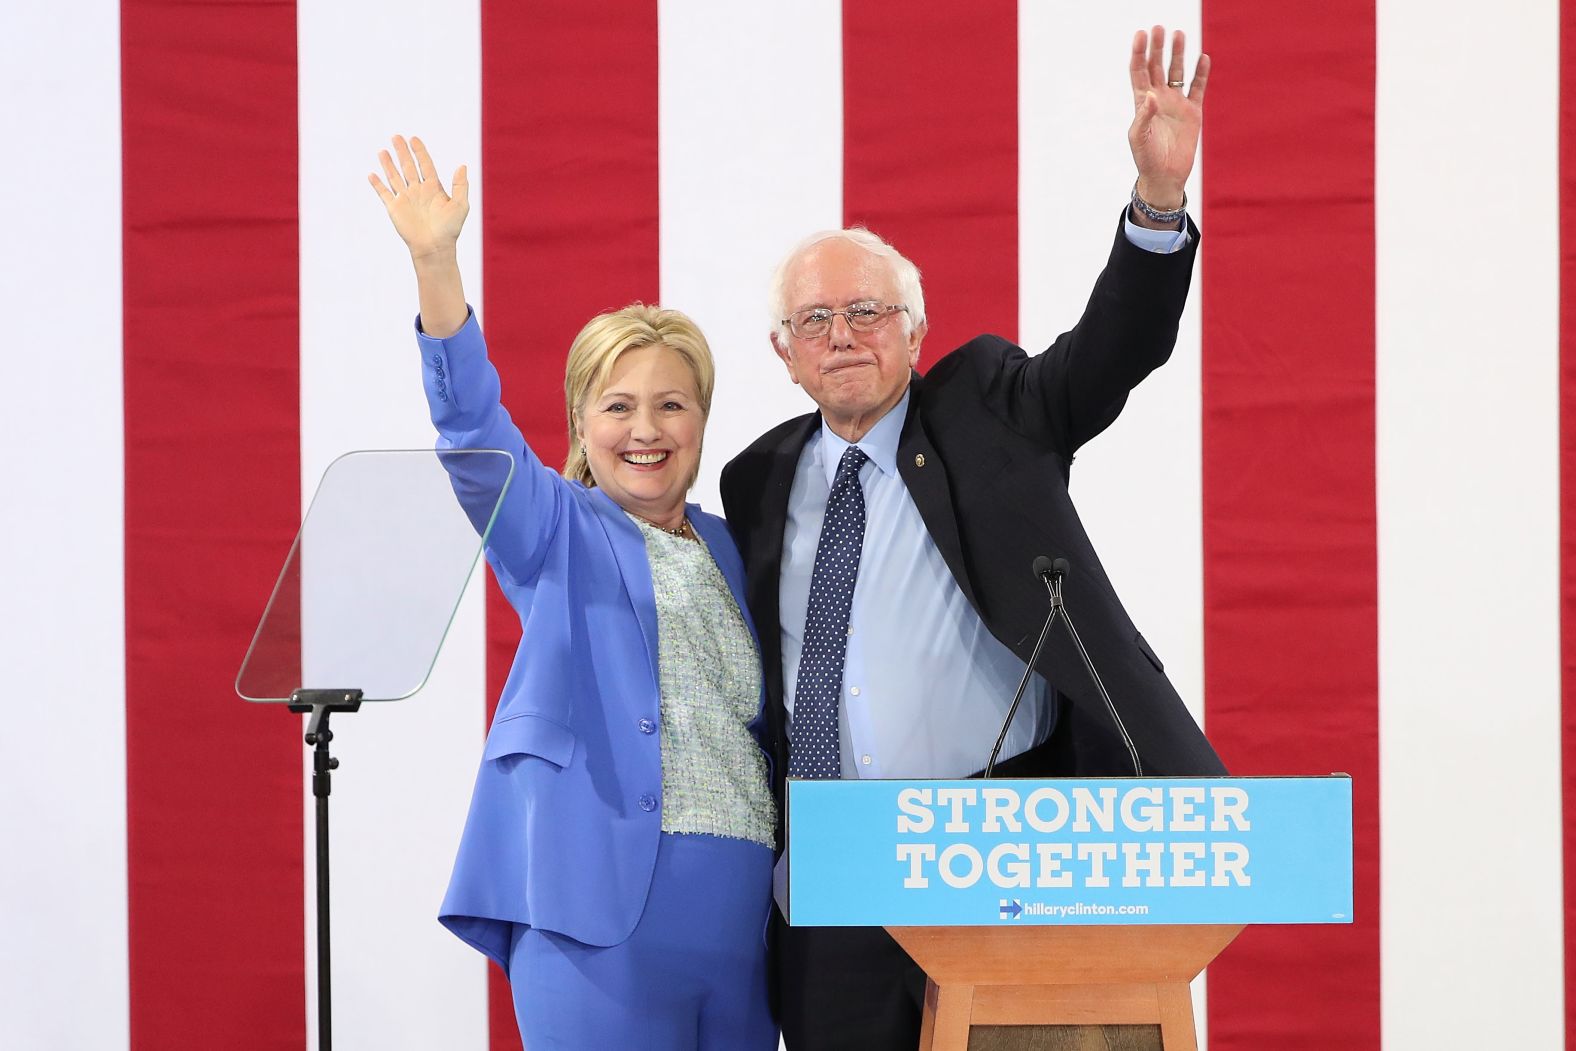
(629, 548)
(725, 553)
(775, 490)
(921, 468)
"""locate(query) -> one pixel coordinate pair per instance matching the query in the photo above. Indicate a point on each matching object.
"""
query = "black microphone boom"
(1051, 573)
(1044, 569)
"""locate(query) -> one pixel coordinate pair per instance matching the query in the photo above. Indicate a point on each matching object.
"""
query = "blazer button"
(647, 726)
(647, 803)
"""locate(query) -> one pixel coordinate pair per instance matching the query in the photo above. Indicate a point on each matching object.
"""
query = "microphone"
(1052, 573)
(1048, 570)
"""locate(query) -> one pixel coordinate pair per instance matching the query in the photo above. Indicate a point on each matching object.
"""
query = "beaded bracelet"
(1154, 214)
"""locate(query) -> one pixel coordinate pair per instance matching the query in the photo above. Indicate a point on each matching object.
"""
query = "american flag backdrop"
(1337, 513)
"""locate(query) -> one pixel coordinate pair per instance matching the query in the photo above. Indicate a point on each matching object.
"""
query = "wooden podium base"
(1055, 980)
(1065, 1038)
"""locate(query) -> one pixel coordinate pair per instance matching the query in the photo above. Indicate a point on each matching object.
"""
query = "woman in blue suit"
(617, 857)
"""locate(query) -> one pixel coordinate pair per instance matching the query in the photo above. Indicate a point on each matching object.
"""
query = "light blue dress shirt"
(925, 684)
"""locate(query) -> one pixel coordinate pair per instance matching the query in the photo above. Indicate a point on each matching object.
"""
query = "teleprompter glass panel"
(376, 573)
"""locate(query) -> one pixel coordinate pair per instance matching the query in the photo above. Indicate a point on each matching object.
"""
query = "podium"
(1036, 906)
(986, 977)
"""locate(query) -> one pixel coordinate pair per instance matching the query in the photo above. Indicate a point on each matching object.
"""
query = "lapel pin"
(919, 459)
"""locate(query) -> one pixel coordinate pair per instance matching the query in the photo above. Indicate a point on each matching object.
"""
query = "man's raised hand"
(1166, 122)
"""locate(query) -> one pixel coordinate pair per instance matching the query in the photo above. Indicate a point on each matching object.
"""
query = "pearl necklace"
(678, 531)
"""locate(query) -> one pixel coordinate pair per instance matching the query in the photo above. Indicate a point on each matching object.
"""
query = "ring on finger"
(1173, 83)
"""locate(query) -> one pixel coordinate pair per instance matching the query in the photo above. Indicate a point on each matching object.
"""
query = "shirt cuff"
(1161, 242)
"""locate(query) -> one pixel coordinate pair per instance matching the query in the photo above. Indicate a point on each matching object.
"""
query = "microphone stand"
(1051, 574)
(1023, 684)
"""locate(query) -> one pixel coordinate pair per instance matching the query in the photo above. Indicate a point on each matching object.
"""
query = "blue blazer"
(567, 810)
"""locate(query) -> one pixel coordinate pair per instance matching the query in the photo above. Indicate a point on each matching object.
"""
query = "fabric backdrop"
(1337, 513)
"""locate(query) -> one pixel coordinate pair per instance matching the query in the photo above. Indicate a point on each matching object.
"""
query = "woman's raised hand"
(425, 216)
(429, 220)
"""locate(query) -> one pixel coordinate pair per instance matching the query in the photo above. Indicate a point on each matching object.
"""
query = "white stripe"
(63, 749)
(1137, 486)
(1468, 499)
(751, 117)
(399, 799)
(750, 108)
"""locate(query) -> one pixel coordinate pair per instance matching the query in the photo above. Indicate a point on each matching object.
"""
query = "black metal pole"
(321, 704)
(322, 763)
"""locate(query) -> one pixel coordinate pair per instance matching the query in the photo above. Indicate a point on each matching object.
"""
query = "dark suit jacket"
(985, 452)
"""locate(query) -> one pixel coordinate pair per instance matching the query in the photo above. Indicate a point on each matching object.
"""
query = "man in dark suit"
(888, 540)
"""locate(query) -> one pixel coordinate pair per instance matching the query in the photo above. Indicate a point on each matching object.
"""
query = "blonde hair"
(599, 346)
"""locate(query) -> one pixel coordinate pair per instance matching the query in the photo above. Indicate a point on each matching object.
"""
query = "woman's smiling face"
(642, 433)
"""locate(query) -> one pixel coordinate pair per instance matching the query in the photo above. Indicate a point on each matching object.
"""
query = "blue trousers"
(692, 976)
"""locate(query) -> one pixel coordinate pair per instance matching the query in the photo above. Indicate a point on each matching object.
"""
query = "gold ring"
(1173, 83)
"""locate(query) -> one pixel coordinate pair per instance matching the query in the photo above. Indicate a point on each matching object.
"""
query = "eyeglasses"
(861, 317)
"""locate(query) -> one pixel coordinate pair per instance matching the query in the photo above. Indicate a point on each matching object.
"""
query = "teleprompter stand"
(366, 596)
(320, 704)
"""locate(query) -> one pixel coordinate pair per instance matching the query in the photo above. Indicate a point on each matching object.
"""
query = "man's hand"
(1166, 123)
(426, 217)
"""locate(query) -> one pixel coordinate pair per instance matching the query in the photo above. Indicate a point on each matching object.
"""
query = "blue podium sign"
(1070, 851)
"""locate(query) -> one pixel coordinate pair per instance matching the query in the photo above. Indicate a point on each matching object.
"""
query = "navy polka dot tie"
(813, 750)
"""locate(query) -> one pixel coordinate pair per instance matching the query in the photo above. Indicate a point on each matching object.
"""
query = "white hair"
(905, 276)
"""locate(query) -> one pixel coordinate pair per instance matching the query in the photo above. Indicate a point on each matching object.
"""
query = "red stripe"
(1290, 564)
(214, 792)
(569, 145)
(1567, 187)
(930, 152)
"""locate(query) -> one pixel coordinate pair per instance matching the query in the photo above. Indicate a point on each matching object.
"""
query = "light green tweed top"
(713, 772)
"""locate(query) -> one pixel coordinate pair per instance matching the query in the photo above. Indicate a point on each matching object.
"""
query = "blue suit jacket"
(564, 821)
